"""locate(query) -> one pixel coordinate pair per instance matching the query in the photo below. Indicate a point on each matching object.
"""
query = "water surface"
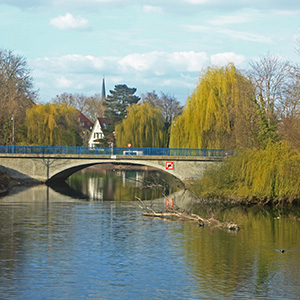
(55, 246)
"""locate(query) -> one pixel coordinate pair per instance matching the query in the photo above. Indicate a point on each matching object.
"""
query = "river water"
(90, 241)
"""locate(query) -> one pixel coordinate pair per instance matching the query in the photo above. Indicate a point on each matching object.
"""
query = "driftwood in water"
(172, 214)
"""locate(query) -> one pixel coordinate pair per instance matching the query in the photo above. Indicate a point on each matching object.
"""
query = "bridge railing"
(43, 150)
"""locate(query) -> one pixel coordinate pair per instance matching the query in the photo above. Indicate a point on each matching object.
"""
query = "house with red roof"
(86, 127)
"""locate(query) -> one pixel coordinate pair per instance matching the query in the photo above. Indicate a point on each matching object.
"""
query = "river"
(89, 240)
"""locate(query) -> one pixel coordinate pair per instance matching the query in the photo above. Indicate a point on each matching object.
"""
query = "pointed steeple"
(103, 95)
(102, 99)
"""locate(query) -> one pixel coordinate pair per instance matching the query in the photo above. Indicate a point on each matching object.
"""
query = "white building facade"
(97, 132)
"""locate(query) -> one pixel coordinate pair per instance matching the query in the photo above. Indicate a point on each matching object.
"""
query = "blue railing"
(112, 151)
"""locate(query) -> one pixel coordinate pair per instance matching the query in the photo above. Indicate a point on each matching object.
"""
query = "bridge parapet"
(112, 151)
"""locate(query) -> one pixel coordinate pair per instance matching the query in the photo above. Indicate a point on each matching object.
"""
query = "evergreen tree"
(116, 104)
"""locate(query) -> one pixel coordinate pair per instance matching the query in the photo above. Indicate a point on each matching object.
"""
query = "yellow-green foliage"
(143, 127)
(52, 125)
(270, 174)
(217, 113)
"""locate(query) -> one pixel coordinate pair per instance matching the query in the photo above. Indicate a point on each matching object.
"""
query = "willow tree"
(143, 127)
(52, 125)
(220, 113)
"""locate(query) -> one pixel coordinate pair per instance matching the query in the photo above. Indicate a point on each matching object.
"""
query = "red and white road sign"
(169, 165)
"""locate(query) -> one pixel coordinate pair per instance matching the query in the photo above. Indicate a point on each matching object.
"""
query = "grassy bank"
(270, 175)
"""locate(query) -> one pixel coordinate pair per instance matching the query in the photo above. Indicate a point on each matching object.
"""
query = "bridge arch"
(63, 175)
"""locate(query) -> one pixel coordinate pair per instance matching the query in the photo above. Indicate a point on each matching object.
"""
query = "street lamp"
(13, 130)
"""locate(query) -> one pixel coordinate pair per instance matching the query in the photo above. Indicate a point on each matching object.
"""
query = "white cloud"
(174, 73)
(188, 61)
(72, 63)
(63, 82)
(152, 9)
(138, 62)
(222, 59)
(69, 22)
(160, 63)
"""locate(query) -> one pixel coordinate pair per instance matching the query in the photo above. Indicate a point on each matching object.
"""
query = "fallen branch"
(172, 214)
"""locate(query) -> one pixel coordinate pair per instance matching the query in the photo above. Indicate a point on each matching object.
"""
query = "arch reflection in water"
(102, 184)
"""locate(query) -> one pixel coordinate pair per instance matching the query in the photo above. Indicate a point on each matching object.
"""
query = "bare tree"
(290, 106)
(75, 100)
(168, 104)
(16, 90)
(89, 106)
(271, 77)
(289, 126)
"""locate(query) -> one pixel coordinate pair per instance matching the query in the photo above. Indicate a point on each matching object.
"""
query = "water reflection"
(100, 184)
(248, 262)
(54, 246)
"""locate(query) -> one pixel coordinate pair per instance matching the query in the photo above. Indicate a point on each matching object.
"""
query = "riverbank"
(254, 176)
(7, 183)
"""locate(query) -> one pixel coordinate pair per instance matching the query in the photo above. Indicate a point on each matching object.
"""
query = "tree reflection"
(250, 260)
(122, 185)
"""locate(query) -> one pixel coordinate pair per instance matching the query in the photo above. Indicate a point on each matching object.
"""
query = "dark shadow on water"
(64, 189)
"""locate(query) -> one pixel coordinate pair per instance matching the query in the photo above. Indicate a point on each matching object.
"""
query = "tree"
(277, 93)
(169, 107)
(220, 113)
(116, 104)
(289, 113)
(16, 92)
(168, 104)
(89, 106)
(143, 127)
(52, 125)
(271, 76)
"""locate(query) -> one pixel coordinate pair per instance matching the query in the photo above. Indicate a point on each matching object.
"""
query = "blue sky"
(148, 44)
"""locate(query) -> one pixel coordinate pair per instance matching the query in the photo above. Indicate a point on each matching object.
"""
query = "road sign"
(169, 165)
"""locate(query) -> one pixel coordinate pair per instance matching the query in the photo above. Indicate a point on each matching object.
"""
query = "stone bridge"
(58, 167)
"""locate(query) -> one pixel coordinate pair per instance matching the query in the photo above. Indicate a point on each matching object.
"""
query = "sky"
(162, 46)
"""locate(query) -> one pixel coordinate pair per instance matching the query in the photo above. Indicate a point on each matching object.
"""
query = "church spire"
(103, 90)
(102, 99)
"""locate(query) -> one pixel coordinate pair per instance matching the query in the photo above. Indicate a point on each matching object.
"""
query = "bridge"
(49, 164)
